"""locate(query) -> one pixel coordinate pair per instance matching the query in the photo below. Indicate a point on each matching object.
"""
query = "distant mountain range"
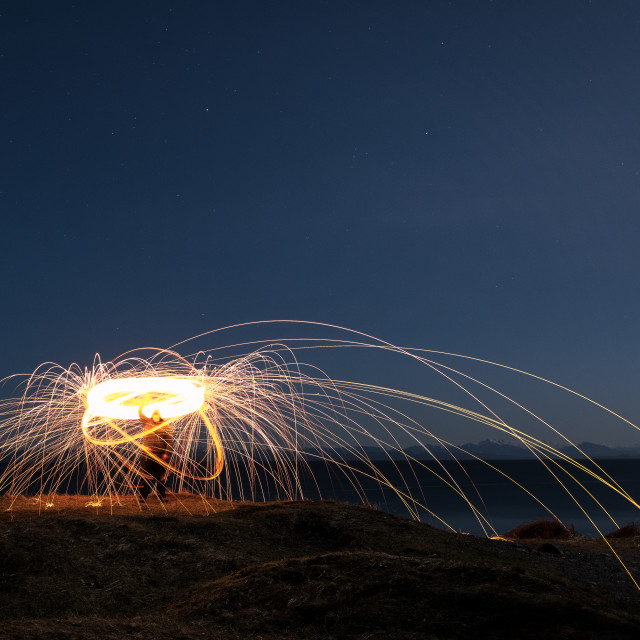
(486, 450)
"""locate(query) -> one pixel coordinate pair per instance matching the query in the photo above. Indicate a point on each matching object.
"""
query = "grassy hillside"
(293, 570)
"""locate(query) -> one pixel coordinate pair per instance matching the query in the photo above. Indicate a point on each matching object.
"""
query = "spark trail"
(250, 418)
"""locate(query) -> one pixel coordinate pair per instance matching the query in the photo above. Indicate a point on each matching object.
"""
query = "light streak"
(112, 404)
(250, 419)
(120, 398)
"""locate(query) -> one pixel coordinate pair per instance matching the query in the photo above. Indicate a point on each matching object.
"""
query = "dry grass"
(179, 505)
(203, 569)
(630, 530)
(540, 529)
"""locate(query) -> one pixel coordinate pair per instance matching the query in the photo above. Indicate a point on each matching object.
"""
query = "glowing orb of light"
(121, 398)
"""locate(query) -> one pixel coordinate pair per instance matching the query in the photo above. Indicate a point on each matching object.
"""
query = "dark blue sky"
(462, 176)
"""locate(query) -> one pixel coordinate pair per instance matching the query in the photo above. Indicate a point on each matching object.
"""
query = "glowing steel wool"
(125, 399)
(249, 420)
(172, 397)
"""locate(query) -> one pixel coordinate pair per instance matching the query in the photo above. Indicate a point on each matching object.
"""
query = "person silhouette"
(157, 444)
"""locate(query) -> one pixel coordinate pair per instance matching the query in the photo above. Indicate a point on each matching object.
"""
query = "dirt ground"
(197, 568)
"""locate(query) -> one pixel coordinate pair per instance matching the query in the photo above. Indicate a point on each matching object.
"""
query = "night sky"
(461, 176)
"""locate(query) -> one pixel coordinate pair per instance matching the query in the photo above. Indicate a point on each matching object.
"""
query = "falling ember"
(249, 425)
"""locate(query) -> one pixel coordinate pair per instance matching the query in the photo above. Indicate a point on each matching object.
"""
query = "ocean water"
(499, 499)
(493, 492)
